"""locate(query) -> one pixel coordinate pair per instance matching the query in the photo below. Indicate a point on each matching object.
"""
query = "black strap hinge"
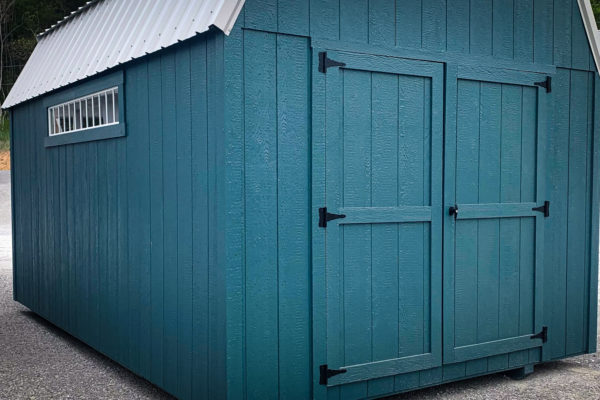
(325, 217)
(547, 84)
(326, 373)
(542, 335)
(326, 63)
(543, 209)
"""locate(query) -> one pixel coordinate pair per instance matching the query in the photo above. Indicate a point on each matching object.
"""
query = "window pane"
(102, 102)
(110, 108)
(116, 103)
(77, 116)
(89, 114)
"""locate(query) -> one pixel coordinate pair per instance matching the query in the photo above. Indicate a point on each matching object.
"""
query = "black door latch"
(325, 217)
(326, 373)
(545, 209)
(453, 211)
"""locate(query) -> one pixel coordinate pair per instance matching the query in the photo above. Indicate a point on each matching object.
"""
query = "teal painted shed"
(319, 199)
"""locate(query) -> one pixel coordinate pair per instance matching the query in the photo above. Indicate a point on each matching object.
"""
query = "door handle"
(453, 211)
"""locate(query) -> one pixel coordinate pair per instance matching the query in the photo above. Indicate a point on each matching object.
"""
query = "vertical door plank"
(488, 252)
(261, 226)
(467, 166)
(382, 23)
(385, 237)
(510, 228)
(357, 239)
(543, 17)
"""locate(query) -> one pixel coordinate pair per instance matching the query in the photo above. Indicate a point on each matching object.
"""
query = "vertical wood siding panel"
(503, 28)
(235, 211)
(481, 27)
(563, 12)
(458, 25)
(293, 17)
(103, 246)
(63, 241)
(92, 233)
(261, 15)
(467, 160)
(184, 222)
(356, 239)
(385, 341)
(170, 210)
(157, 237)
(408, 23)
(580, 56)
(588, 210)
(354, 21)
(510, 229)
(294, 217)
(123, 289)
(200, 224)
(524, 26)
(36, 198)
(488, 250)
(556, 232)
(324, 19)
(113, 166)
(434, 25)
(261, 227)
(382, 23)
(543, 14)
(595, 239)
(576, 267)
(70, 217)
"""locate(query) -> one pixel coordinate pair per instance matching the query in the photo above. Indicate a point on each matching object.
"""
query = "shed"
(312, 198)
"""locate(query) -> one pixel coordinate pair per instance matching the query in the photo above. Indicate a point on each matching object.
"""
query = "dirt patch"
(4, 160)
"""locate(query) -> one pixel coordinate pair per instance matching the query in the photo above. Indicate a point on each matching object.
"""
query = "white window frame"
(69, 125)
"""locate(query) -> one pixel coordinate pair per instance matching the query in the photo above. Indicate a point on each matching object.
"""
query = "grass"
(4, 134)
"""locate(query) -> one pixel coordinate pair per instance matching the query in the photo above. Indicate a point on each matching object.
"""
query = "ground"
(39, 361)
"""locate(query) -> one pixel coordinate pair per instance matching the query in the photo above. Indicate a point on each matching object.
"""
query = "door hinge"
(543, 209)
(325, 217)
(542, 335)
(453, 211)
(547, 84)
(326, 373)
(326, 63)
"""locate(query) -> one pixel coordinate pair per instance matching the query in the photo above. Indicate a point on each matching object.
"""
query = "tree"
(596, 8)
(6, 13)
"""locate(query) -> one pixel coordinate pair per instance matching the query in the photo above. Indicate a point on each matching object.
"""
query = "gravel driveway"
(38, 361)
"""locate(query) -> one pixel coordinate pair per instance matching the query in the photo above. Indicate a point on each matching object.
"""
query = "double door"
(431, 221)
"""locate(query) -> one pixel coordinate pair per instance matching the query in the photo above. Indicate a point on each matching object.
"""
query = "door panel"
(493, 257)
(383, 162)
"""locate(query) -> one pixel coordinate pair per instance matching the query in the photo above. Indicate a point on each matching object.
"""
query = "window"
(92, 111)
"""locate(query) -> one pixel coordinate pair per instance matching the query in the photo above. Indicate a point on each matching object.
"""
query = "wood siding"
(117, 241)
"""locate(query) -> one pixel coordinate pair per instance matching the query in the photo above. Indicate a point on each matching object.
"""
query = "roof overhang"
(103, 34)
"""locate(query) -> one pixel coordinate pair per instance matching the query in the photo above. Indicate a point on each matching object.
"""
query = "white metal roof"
(105, 33)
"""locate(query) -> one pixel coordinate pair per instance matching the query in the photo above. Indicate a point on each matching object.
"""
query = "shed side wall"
(511, 33)
(118, 242)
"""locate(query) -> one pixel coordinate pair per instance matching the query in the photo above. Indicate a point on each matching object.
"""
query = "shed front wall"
(273, 193)
(117, 241)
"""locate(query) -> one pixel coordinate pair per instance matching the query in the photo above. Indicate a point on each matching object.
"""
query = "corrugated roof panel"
(105, 33)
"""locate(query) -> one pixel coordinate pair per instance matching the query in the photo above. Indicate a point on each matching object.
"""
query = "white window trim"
(65, 110)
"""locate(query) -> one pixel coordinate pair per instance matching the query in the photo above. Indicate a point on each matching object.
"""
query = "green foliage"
(4, 133)
(596, 8)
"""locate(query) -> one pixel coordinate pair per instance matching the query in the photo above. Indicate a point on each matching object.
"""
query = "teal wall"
(118, 241)
(269, 151)
(187, 254)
